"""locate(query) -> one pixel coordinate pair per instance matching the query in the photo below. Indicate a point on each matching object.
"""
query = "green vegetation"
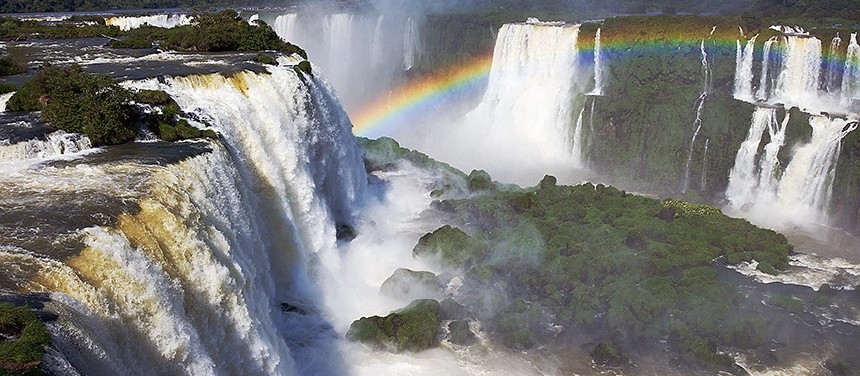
(212, 32)
(459, 333)
(23, 339)
(9, 66)
(596, 259)
(6, 88)
(405, 282)
(14, 29)
(96, 106)
(412, 328)
(266, 59)
(78, 102)
(788, 303)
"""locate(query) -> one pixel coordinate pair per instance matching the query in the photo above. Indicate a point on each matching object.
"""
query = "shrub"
(26, 340)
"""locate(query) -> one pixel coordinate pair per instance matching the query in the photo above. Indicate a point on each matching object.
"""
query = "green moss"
(413, 328)
(266, 59)
(479, 180)
(405, 282)
(788, 303)
(6, 88)
(460, 333)
(452, 245)
(25, 340)
(304, 67)
(153, 97)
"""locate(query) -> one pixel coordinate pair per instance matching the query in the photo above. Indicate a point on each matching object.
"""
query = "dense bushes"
(570, 255)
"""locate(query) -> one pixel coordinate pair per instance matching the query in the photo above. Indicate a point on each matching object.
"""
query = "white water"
(801, 194)
(799, 80)
(4, 99)
(598, 66)
(522, 128)
(766, 83)
(56, 144)
(744, 177)
(851, 74)
(744, 70)
(160, 20)
(831, 83)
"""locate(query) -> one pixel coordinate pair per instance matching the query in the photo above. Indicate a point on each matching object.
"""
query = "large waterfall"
(207, 270)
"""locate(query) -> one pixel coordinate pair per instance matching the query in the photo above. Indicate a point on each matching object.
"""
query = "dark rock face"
(460, 334)
(413, 328)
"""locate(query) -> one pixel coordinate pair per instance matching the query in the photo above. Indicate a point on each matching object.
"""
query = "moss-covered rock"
(413, 328)
(459, 333)
(608, 354)
(451, 244)
(23, 340)
(405, 283)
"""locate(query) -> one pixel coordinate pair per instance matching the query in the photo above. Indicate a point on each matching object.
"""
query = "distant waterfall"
(598, 66)
(802, 192)
(851, 74)
(576, 147)
(523, 127)
(411, 44)
(363, 56)
(744, 70)
(799, 79)
(697, 123)
(832, 83)
(766, 83)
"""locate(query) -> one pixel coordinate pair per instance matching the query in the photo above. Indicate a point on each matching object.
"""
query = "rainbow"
(421, 95)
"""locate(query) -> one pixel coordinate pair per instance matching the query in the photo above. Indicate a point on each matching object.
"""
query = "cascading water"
(703, 184)
(521, 130)
(4, 99)
(801, 194)
(285, 27)
(377, 45)
(807, 182)
(766, 83)
(744, 178)
(832, 83)
(697, 123)
(411, 44)
(851, 73)
(799, 80)
(598, 66)
(744, 70)
(161, 20)
(576, 148)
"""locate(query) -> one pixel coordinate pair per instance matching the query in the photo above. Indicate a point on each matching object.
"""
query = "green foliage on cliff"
(14, 29)
(598, 259)
(23, 339)
(412, 328)
(215, 32)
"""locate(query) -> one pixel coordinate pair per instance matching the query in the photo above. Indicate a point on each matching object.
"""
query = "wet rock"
(459, 333)
(413, 328)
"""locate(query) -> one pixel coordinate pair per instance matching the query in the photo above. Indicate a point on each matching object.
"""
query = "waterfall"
(576, 145)
(765, 84)
(832, 82)
(411, 44)
(743, 177)
(697, 123)
(851, 74)
(744, 70)
(377, 45)
(4, 99)
(807, 183)
(799, 80)
(522, 126)
(801, 194)
(160, 20)
(338, 31)
(598, 66)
